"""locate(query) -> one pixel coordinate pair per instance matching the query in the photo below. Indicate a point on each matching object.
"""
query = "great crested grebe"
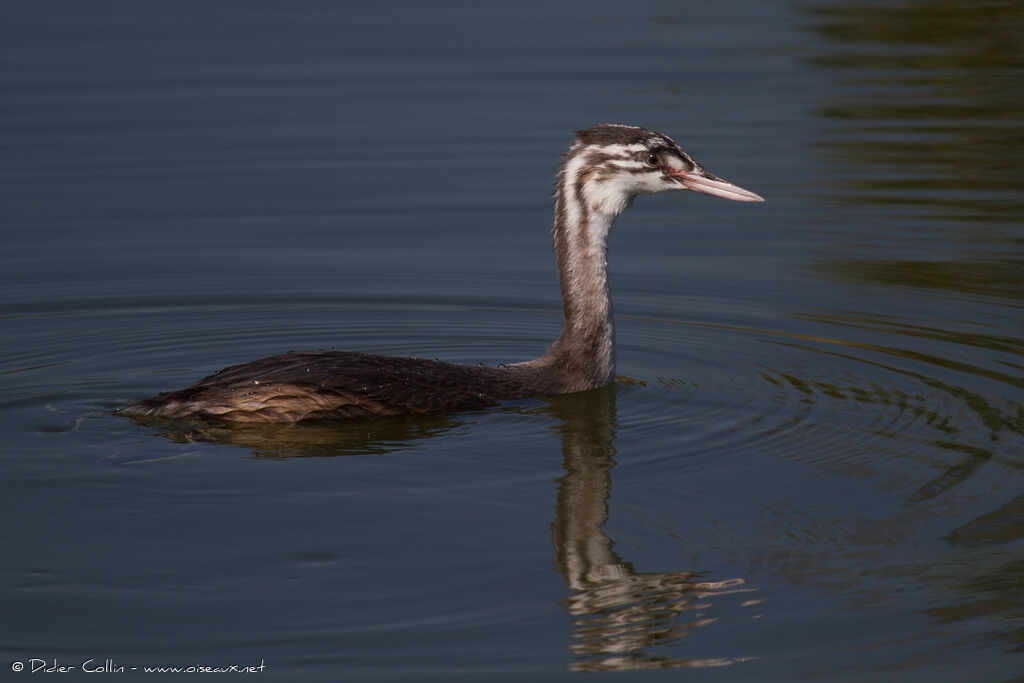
(602, 172)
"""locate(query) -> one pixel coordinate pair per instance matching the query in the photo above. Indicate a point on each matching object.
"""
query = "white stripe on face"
(628, 163)
(621, 150)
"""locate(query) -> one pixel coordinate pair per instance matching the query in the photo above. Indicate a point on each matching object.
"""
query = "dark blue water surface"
(811, 467)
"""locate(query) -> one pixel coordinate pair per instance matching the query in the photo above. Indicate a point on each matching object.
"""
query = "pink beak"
(700, 180)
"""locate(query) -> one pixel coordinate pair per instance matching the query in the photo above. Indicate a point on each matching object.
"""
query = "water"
(810, 468)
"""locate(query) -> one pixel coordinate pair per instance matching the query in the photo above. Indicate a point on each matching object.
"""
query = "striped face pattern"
(609, 164)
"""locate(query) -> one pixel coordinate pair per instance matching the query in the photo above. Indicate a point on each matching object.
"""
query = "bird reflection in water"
(622, 619)
(620, 616)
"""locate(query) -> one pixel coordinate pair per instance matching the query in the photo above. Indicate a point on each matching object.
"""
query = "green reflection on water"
(929, 107)
(927, 123)
(994, 278)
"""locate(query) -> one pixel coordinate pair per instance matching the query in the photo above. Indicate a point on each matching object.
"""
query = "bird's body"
(302, 385)
(601, 174)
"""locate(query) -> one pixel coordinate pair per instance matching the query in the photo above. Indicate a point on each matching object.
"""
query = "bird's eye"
(653, 161)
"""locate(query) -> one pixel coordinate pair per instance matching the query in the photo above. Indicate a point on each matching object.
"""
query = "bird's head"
(608, 165)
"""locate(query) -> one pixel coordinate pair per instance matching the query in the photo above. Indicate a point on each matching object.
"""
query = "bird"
(605, 168)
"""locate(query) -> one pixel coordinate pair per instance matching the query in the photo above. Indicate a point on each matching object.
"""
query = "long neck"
(583, 356)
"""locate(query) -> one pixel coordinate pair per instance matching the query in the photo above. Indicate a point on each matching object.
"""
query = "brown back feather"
(339, 384)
